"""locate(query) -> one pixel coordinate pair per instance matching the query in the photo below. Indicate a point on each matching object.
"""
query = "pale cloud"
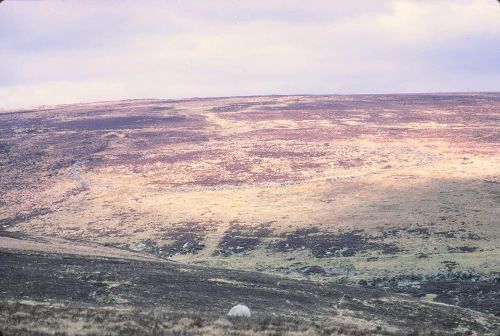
(63, 52)
(60, 92)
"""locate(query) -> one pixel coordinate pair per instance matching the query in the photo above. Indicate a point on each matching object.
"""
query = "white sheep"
(239, 310)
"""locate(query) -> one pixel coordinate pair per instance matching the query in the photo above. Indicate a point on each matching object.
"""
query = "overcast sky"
(77, 51)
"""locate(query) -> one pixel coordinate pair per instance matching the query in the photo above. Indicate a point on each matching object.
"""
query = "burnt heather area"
(80, 287)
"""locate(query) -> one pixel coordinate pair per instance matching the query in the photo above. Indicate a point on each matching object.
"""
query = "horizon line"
(51, 106)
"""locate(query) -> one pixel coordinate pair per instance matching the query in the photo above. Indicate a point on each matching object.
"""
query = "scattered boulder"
(239, 310)
(309, 270)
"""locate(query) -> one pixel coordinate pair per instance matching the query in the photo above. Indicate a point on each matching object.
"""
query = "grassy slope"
(47, 291)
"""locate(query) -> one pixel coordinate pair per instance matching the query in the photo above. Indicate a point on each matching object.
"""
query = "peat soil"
(78, 284)
(240, 239)
(323, 245)
(183, 238)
